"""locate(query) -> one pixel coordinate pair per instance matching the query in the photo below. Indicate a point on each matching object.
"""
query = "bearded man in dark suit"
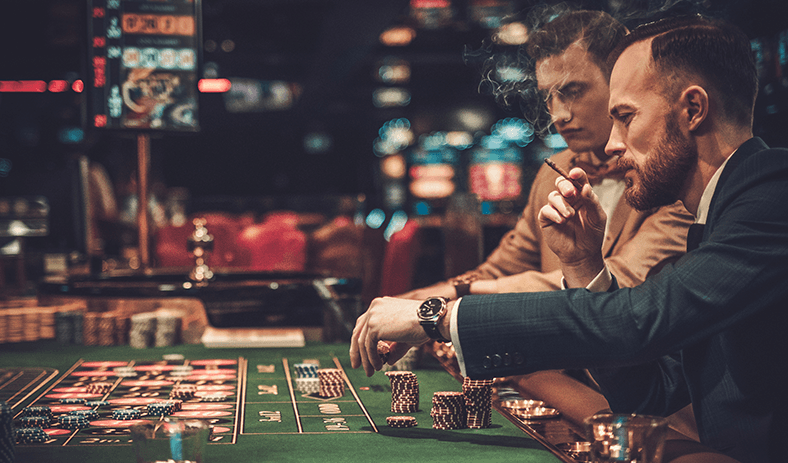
(682, 92)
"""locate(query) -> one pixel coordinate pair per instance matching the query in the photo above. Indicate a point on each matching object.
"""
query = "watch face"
(430, 308)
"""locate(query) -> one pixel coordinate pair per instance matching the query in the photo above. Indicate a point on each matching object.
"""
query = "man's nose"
(561, 111)
(615, 144)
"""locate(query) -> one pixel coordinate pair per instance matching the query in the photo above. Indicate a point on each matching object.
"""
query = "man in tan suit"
(572, 75)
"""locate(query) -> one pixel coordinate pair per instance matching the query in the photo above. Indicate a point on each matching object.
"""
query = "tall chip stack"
(332, 383)
(478, 402)
(90, 328)
(106, 329)
(32, 324)
(404, 391)
(3, 326)
(122, 327)
(448, 410)
(68, 326)
(168, 329)
(15, 322)
(46, 320)
(7, 434)
(142, 332)
(306, 378)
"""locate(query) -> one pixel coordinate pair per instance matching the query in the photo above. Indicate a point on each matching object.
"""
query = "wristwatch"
(430, 313)
(462, 284)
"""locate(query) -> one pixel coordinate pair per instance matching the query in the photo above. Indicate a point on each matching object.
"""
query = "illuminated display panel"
(143, 60)
(496, 174)
(432, 173)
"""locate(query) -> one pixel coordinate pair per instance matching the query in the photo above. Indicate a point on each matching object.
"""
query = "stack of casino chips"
(14, 324)
(106, 329)
(183, 391)
(7, 435)
(478, 402)
(68, 326)
(307, 381)
(32, 435)
(168, 329)
(33, 421)
(122, 324)
(404, 391)
(448, 410)
(41, 410)
(332, 384)
(90, 328)
(73, 401)
(126, 414)
(100, 387)
(401, 421)
(160, 408)
(73, 422)
(89, 414)
(143, 330)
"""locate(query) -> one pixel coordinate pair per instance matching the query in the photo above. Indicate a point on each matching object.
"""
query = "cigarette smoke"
(495, 61)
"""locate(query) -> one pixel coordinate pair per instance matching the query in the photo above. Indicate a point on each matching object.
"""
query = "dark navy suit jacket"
(711, 329)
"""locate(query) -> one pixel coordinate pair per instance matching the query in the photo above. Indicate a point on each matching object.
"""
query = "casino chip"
(448, 410)
(34, 421)
(7, 434)
(73, 422)
(42, 410)
(478, 402)
(160, 408)
(401, 421)
(126, 414)
(404, 391)
(73, 401)
(31, 435)
(213, 397)
(331, 382)
(383, 351)
(101, 387)
(89, 414)
(169, 357)
(183, 391)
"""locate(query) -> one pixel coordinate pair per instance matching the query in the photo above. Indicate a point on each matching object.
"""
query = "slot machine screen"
(496, 174)
(143, 64)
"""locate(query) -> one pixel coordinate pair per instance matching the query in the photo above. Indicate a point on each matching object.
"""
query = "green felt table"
(358, 432)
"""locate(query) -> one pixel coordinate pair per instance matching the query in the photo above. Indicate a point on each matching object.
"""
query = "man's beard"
(665, 171)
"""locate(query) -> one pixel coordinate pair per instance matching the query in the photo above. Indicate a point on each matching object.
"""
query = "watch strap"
(432, 331)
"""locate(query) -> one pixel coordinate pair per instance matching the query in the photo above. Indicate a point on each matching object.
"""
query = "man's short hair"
(711, 49)
(596, 30)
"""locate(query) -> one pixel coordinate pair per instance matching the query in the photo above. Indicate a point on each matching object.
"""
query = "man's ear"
(695, 102)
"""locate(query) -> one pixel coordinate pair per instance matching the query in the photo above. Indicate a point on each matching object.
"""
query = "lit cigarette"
(563, 174)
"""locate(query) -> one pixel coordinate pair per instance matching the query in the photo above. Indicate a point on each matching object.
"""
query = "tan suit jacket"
(637, 244)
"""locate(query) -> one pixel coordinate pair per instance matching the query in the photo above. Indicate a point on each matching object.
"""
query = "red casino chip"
(401, 421)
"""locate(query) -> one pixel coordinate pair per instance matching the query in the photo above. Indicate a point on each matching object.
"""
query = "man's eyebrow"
(616, 110)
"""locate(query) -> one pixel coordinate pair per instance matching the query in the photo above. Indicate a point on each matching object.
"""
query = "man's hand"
(573, 223)
(387, 319)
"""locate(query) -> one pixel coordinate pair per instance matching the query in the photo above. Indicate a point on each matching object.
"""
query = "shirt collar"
(708, 193)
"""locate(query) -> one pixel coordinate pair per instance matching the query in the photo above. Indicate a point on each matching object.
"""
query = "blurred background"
(382, 105)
